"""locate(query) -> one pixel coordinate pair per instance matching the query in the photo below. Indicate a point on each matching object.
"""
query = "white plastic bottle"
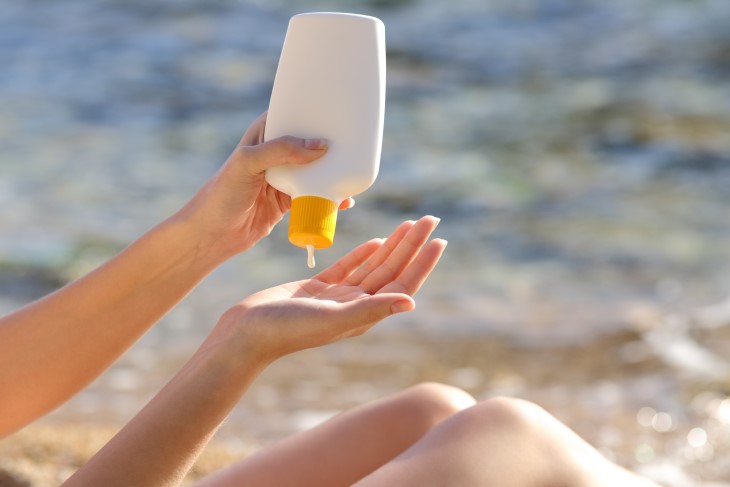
(330, 83)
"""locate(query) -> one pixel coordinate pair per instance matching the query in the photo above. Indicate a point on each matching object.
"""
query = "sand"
(46, 453)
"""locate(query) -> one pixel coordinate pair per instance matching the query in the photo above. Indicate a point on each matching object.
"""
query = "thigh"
(501, 442)
(349, 446)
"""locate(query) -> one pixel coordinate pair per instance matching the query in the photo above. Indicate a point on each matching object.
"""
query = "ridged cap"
(312, 222)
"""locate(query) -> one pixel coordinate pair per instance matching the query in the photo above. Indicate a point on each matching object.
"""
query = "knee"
(524, 426)
(516, 415)
(526, 420)
(503, 417)
(429, 403)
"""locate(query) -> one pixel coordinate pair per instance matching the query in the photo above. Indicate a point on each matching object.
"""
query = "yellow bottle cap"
(312, 222)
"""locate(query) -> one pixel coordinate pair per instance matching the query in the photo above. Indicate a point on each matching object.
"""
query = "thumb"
(283, 150)
(372, 309)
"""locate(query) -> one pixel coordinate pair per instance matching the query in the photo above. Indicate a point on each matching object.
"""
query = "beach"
(302, 390)
(575, 151)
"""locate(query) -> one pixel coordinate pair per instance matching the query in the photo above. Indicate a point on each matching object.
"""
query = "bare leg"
(348, 447)
(502, 442)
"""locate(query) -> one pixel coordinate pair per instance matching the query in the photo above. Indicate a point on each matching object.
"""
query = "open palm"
(373, 281)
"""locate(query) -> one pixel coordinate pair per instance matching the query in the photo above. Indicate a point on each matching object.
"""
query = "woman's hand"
(237, 207)
(370, 283)
(375, 280)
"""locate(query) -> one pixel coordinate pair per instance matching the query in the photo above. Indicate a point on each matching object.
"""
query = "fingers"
(283, 150)
(392, 264)
(361, 314)
(400, 264)
(415, 274)
(347, 204)
(255, 133)
(382, 253)
(345, 266)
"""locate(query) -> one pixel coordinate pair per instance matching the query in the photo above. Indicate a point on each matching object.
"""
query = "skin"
(89, 323)
(506, 442)
(337, 303)
(352, 445)
(52, 348)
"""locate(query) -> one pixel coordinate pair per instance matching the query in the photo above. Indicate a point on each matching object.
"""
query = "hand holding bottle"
(237, 207)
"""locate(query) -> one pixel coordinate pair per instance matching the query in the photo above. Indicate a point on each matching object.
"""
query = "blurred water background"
(577, 152)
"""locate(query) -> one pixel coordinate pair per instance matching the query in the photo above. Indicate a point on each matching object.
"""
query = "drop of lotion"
(310, 256)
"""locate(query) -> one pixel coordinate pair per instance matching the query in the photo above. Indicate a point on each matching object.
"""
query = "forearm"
(160, 444)
(53, 347)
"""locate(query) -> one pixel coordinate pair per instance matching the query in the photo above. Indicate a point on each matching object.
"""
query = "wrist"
(228, 366)
(238, 340)
(220, 234)
(203, 247)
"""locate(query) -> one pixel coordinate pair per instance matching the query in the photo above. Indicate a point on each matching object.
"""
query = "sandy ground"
(627, 409)
(47, 453)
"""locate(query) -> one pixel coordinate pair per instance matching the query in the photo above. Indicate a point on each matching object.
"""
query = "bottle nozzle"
(312, 222)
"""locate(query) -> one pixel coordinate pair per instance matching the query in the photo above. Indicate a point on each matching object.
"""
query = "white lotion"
(330, 83)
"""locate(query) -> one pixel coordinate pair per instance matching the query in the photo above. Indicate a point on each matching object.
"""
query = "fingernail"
(315, 143)
(438, 220)
(400, 307)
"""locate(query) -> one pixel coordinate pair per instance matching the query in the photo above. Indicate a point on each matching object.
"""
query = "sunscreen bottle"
(330, 83)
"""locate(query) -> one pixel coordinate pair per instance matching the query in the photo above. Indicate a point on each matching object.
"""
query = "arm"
(53, 347)
(160, 444)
